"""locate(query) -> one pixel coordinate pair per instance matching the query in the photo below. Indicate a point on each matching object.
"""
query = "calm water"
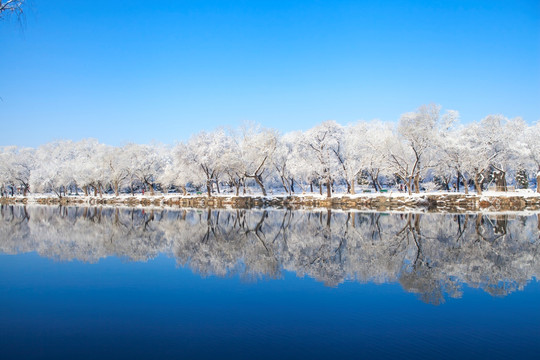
(127, 283)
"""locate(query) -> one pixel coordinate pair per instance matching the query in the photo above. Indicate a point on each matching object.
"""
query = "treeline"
(425, 150)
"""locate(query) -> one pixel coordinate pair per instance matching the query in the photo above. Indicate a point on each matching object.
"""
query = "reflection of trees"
(428, 254)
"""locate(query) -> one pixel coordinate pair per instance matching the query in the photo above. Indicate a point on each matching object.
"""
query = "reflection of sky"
(117, 309)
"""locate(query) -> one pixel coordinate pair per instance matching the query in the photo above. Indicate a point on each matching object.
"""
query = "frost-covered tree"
(359, 150)
(5, 169)
(16, 165)
(453, 154)
(425, 144)
(145, 164)
(411, 151)
(506, 140)
(301, 163)
(532, 144)
(53, 172)
(482, 145)
(234, 166)
(350, 152)
(257, 146)
(284, 158)
(88, 168)
(376, 138)
(204, 155)
(323, 141)
(116, 162)
(178, 171)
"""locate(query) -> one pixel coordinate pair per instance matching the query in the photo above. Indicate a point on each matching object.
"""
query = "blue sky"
(141, 71)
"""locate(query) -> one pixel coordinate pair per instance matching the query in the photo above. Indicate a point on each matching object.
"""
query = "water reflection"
(432, 255)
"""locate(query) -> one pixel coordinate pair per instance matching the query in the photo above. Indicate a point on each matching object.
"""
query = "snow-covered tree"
(376, 137)
(482, 145)
(359, 150)
(323, 141)
(257, 146)
(425, 144)
(507, 142)
(453, 154)
(53, 172)
(284, 158)
(532, 144)
(116, 162)
(204, 152)
(88, 168)
(145, 163)
(16, 165)
(301, 163)
(178, 171)
(411, 152)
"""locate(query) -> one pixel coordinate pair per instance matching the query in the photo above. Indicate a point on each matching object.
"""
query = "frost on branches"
(427, 149)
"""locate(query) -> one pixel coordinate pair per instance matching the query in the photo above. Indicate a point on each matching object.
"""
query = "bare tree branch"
(11, 7)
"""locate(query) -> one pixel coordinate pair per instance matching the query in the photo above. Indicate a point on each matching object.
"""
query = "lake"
(124, 283)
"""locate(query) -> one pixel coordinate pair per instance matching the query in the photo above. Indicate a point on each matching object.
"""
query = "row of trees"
(426, 149)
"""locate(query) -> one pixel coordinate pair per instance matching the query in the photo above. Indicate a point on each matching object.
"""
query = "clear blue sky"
(140, 71)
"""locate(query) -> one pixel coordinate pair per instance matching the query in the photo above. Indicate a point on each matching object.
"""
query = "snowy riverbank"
(435, 201)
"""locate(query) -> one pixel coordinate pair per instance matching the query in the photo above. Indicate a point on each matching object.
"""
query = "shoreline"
(430, 202)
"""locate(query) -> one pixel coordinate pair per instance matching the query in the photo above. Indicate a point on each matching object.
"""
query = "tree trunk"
(417, 183)
(503, 181)
(499, 181)
(320, 188)
(259, 182)
(477, 184)
(184, 190)
(538, 182)
(457, 181)
(328, 189)
(116, 188)
(311, 186)
(208, 188)
(379, 187)
(409, 183)
(374, 183)
(352, 187)
(283, 182)
(95, 190)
